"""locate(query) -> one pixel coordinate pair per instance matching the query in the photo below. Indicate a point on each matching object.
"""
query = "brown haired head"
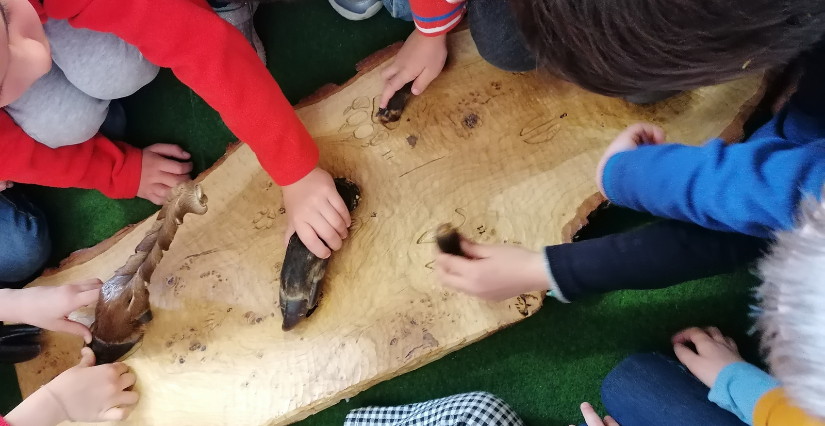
(626, 47)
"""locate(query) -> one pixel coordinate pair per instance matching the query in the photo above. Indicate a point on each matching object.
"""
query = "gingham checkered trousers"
(468, 409)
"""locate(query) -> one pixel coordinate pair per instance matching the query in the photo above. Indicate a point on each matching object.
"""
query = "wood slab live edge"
(506, 157)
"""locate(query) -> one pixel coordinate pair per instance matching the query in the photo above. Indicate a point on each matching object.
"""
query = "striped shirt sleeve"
(436, 17)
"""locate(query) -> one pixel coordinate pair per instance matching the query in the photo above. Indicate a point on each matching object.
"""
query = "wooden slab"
(508, 157)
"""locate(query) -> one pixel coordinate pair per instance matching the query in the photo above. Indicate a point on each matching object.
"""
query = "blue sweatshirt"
(754, 187)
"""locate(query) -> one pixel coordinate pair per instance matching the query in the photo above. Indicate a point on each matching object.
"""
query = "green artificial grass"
(544, 366)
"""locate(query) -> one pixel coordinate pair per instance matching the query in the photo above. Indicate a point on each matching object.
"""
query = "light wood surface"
(506, 157)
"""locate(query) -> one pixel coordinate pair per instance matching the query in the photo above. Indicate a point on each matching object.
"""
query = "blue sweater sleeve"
(739, 387)
(753, 187)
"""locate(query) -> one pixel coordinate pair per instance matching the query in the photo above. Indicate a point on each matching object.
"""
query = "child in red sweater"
(65, 60)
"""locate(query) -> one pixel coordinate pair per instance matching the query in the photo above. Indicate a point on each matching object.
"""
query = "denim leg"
(498, 39)
(26, 245)
(654, 390)
(399, 9)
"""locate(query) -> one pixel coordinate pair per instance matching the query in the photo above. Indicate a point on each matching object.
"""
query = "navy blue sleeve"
(658, 255)
(752, 187)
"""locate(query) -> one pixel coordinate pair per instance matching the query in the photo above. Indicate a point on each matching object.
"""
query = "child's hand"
(5, 184)
(315, 209)
(494, 272)
(83, 393)
(160, 173)
(89, 393)
(421, 59)
(48, 307)
(593, 419)
(628, 140)
(713, 353)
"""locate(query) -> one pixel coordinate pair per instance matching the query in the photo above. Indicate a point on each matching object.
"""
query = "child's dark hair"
(625, 47)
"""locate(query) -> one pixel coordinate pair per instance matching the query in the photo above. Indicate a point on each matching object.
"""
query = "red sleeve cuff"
(126, 181)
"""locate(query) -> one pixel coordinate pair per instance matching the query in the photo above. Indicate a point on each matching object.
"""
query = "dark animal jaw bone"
(123, 310)
(303, 273)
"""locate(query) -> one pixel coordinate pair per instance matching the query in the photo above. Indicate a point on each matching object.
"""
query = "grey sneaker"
(356, 10)
(240, 16)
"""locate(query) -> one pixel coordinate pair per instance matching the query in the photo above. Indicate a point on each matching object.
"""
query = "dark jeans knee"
(26, 244)
(497, 37)
(652, 389)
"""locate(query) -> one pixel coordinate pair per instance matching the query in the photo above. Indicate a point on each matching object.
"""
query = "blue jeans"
(25, 239)
(654, 390)
(399, 9)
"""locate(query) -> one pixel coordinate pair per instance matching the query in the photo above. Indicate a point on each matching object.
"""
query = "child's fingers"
(71, 327)
(689, 335)
(116, 414)
(715, 334)
(86, 285)
(590, 416)
(311, 240)
(338, 204)
(125, 398)
(87, 357)
(685, 355)
(158, 193)
(86, 298)
(334, 219)
(453, 265)
(176, 167)
(169, 150)
(423, 81)
(389, 72)
(476, 251)
(326, 232)
(171, 180)
(126, 380)
(656, 134)
(161, 191)
(119, 368)
(609, 421)
(393, 85)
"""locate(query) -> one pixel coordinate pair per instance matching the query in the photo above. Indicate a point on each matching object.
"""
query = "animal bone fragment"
(395, 106)
(303, 273)
(123, 310)
(449, 240)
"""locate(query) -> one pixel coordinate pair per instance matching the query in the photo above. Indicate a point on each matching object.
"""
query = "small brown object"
(123, 310)
(449, 240)
(302, 273)
(470, 121)
(395, 107)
